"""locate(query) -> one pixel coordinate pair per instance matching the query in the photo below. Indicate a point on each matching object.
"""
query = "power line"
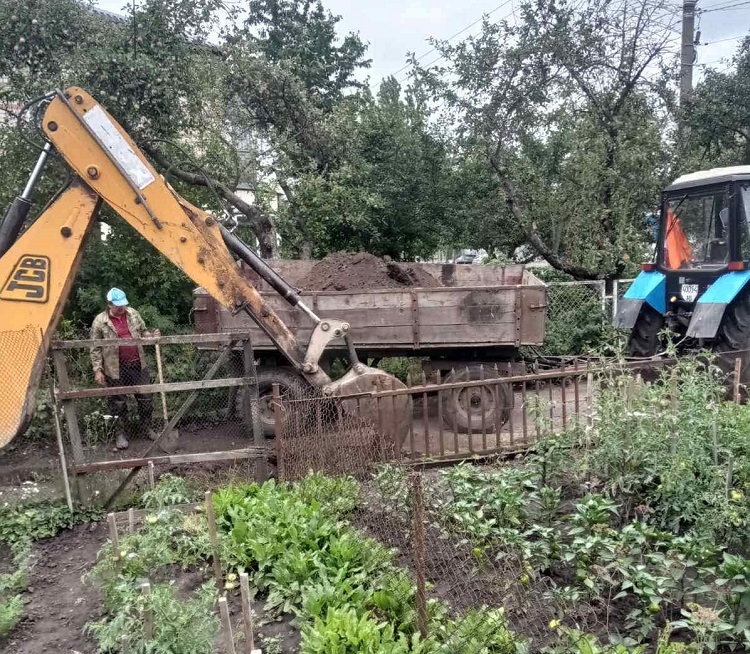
(725, 7)
(438, 58)
(731, 38)
(450, 38)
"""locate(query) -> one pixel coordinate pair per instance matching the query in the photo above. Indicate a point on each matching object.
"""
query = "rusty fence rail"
(498, 413)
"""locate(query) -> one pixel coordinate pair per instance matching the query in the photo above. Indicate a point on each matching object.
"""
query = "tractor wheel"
(291, 387)
(733, 342)
(644, 338)
(465, 407)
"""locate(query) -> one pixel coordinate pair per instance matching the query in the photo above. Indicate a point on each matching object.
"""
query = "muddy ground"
(344, 271)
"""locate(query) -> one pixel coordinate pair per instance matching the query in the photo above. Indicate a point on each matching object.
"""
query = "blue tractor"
(697, 286)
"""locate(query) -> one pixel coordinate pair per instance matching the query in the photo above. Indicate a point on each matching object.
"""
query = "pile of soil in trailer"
(345, 271)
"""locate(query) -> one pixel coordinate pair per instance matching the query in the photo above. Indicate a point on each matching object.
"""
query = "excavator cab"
(696, 288)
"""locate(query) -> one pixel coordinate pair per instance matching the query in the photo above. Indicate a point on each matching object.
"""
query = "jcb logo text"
(29, 280)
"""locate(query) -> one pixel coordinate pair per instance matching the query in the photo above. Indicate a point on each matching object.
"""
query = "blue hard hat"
(117, 297)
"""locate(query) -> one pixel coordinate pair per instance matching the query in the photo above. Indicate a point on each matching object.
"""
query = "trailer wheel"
(291, 387)
(464, 407)
(733, 342)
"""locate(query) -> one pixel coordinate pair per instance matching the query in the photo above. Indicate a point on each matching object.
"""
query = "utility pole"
(687, 56)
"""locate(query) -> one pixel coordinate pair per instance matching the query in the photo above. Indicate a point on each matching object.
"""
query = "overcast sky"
(395, 27)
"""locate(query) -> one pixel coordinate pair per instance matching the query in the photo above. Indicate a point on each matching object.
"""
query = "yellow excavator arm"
(39, 267)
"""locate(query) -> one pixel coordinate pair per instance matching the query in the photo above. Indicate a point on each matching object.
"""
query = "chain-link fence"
(580, 315)
(454, 567)
(577, 314)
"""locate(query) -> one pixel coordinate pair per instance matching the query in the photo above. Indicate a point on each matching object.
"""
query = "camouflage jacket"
(107, 358)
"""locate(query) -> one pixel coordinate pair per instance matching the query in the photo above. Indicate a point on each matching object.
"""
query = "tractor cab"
(702, 260)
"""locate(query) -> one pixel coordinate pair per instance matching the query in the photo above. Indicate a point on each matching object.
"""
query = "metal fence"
(579, 315)
(496, 414)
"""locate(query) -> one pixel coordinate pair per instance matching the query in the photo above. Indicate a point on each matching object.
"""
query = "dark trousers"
(131, 374)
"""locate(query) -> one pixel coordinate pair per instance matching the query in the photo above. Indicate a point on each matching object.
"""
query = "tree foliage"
(718, 116)
(271, 98)
(388, 195)
(566, 107)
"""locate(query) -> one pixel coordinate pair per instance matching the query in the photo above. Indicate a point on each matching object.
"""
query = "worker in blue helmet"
(125, 365)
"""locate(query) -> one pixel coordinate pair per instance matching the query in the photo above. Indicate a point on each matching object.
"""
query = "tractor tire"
(464, 408)
(644, 338)
(733, 342)
(291, 387)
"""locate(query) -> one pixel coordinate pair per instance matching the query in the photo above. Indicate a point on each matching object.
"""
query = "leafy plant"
(179, 626)
(11, 610)
(479, 631)
(335, 494)
(27, 522)
(11, 603)
(345, 631)
(167, 537)
(169, 490)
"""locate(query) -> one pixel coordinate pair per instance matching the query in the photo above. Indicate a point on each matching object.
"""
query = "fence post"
(74, 429)
(615, 297)
(419, 551)
(60, 446)
(252, 406)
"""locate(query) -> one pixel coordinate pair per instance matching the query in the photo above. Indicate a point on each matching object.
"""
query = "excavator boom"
(38, 269)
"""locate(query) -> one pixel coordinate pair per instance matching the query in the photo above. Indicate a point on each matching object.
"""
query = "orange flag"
(677, 248)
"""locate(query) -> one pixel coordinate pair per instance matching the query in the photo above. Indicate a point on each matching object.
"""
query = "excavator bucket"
(36, 274)
(390, 414)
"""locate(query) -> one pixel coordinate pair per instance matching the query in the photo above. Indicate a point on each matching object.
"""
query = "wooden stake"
(151, 475)
(247, 614)
(730, 470)
(131, 520)
(426, 416)
(419, 552)
(737, 372)
(148, 615)
(226, 625)
(441, 427)
(113, 534)
(715, 434)
(214, 538)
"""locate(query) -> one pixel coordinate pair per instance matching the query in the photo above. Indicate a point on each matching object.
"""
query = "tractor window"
(696, 231)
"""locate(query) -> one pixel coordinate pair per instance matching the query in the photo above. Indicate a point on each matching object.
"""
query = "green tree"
(718, 118)
(158, 85)
(567, 107)
(388, 196)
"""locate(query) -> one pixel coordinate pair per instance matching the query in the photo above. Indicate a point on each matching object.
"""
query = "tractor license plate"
(689, 292)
